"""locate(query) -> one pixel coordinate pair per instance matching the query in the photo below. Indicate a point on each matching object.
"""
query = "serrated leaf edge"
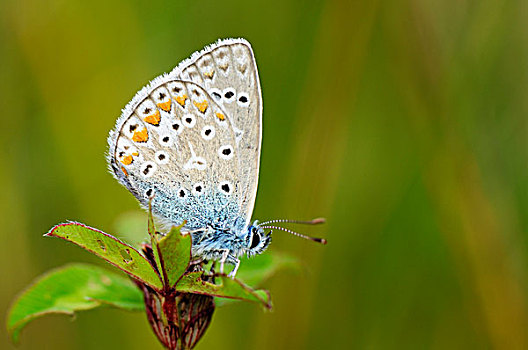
(54, 228)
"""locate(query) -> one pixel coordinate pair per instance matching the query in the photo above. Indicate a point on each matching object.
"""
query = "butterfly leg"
(223, 260)
(237, 264)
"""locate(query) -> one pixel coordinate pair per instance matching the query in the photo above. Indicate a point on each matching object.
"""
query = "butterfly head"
(257, 240)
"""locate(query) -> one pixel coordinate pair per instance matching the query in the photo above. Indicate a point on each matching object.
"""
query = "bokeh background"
(404, 123)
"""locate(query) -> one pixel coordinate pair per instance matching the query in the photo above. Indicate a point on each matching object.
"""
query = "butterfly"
(189, 142)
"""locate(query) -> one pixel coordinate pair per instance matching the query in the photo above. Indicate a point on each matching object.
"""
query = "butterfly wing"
(174, 143)
(228, 72)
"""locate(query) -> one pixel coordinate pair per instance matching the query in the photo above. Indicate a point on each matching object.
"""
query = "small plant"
(179, 295)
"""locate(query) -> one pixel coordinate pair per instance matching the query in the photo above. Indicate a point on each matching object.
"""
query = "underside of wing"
(176, 145)
(228, 72)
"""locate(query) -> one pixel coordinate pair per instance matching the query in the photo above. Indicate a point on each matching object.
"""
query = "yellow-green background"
(402, 122)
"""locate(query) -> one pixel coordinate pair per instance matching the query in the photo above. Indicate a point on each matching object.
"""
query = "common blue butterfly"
(190, 141)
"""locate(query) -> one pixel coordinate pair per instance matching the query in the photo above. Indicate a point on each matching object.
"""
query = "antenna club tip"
(321, 240)
(318, 221)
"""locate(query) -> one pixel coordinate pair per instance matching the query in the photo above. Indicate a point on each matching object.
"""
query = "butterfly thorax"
(215, 242)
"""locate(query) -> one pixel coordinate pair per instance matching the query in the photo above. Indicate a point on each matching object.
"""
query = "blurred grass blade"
(226, 287)
(131, 226)
(72, 288)
(258, 269)
(175, 251)
(111, 249)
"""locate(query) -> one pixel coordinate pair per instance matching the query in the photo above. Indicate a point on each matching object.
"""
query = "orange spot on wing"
(124, 170)
(153, 119)
(140, 136)
(181, 100)
(209, 74)
(166, 106)
(220, 116)
(127, 160)
(202, 106)
(135, 154)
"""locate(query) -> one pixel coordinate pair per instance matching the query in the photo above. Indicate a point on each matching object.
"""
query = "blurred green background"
(404, 123)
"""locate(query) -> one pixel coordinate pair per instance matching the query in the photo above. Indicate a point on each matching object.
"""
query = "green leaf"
(111, 249)
(175, 252)
(226, 288)
(72, 288)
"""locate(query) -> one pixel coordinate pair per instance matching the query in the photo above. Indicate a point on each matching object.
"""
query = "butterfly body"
(216, 243)
(189, 142)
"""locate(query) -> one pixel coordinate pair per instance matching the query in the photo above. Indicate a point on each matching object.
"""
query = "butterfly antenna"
(315, 221)
(318, 240)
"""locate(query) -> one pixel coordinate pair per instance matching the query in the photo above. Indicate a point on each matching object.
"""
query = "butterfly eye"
(255, 239)
(243, 99)
(229, 95)
(208, 132)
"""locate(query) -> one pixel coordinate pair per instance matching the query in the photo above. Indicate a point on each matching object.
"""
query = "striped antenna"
(318, 240)
(315, 221)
